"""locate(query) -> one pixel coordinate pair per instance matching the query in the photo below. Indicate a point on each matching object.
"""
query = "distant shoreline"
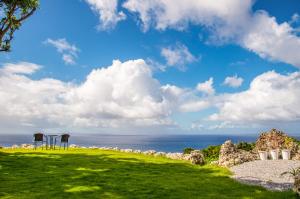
(166, 143)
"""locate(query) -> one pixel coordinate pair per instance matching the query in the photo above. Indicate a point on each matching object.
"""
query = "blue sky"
(182, 47)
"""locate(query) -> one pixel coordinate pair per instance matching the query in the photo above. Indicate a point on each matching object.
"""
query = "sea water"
(166, 143)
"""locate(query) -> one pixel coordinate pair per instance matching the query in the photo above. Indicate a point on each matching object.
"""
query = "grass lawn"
(108, 174)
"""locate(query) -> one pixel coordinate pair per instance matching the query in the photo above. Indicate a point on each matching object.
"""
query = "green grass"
(108, 174)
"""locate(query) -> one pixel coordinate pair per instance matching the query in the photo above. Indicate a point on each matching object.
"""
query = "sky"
(154, 67)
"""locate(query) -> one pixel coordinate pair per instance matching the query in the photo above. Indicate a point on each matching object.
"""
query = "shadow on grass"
(105, 175)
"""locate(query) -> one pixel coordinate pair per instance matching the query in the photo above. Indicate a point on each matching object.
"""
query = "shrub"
(211, 153)
(245, 146)
(188, 150)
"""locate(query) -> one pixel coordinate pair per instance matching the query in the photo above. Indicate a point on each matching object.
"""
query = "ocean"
(166, 143)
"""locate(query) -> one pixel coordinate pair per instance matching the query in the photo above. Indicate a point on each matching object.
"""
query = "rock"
(275, 139)
(27, 146)
(230, 155)
(296, 156)
(74, 146)
(160, 154)
(175, 156)
(14, 146)
(93, 147)
(149, 152)
(127, 150)
(195, 157)
(137, 151)
(116, 149)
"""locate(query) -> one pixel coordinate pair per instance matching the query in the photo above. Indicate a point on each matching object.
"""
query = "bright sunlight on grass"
(108, 174)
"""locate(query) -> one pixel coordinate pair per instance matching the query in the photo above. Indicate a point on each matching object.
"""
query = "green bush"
(245, 146)
(211, 153)
(188, 150)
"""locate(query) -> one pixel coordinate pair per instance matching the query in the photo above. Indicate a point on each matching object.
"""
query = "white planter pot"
(274, 154)
(263, 155)
(286, 154)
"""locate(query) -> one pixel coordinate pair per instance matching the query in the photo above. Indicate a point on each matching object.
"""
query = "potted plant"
(286, 154)
(296, 175)
(263, 155)
(274, 154)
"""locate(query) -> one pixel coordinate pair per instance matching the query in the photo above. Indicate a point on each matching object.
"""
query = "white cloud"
(20, 68)
(195, 106)
(125, 95)
(271, 97)
(295, 19)
(206, 87)
(228, 20)
(271, 40)
(108, 13)
(120, 95)
(233, 81)
(69, 51)
(178, 56)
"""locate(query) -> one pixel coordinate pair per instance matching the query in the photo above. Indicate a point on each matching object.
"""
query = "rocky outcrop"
(230, 155)
(195, 157)
(275, 139)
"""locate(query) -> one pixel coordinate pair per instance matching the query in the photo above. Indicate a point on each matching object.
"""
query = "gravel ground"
(266, 173)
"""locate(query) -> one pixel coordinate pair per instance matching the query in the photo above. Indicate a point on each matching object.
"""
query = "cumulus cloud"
(20, 68)
(227, 20)
(108, 13)
(206, 87)
(178, 56)
(233, 81)
(123, 94)
(69, 51)
(271, 97)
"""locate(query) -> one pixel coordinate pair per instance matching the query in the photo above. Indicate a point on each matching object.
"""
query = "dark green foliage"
(79, 173)
(211, 153)
(245, 146)
(188, 150)
(13, 13)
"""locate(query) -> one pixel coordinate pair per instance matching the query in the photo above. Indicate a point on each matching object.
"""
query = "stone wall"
(230, 155)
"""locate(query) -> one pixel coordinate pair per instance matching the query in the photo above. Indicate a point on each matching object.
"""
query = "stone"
(137, 151)
(93, 147)
(230, 155)
(195, 157)
(74, 146)
(27, 146)
(127, 150)
(175, 156)
(275, 139)
(14, 146)
(149, 152)
(160, 154)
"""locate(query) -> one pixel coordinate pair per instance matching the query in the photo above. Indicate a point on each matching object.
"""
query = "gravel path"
(266, 173)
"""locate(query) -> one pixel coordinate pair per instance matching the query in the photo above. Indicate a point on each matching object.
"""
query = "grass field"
(108, 174)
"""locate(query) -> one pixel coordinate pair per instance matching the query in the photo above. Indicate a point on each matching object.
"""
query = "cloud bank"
(126, 95)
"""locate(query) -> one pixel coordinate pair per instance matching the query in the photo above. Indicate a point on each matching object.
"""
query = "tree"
(13, 13)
